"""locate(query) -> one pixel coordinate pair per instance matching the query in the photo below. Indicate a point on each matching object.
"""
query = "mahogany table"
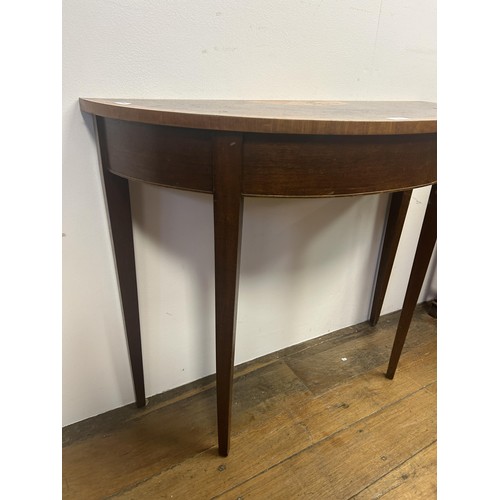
(234, 149)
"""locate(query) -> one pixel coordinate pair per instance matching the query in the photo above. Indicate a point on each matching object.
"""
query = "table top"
(285, 117)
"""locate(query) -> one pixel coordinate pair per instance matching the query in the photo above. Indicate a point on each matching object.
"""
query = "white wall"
(307, 265)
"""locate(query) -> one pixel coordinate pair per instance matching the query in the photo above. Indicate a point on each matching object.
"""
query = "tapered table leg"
(421, 261)
(395, 220)
(120, 221)
(228, 212)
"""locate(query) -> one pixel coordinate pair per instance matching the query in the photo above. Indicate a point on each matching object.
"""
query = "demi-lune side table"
(234, 149)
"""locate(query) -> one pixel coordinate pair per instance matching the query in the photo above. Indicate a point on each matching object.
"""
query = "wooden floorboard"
(415, 478)
(317, 420)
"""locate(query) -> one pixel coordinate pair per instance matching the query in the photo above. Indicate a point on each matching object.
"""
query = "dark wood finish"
(274, 165)
(290, 165)
(423, 255)
(120, 221)
(167, 156)
(253, 148)
(398, 206)
(228, 213)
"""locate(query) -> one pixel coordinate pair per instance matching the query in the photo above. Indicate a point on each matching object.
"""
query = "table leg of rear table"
(398, 208)
(423, 254)
(228, 212)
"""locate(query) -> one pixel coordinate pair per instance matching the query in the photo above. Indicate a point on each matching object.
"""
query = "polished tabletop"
(267, 116)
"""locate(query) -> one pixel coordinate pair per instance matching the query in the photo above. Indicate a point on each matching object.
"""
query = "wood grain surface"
(290, 165)
(313, 166)
(287, 117)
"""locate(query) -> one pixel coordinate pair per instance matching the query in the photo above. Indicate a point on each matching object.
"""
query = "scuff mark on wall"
(377, 31)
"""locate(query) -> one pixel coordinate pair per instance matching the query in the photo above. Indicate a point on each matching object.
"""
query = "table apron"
(273, 164)
(337, 165)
